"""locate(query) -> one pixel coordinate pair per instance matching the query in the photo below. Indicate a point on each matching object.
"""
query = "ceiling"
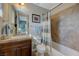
(47, 5)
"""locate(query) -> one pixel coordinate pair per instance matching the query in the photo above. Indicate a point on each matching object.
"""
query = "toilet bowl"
(41, 49)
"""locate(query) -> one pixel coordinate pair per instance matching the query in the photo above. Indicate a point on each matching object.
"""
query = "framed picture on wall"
(35, 18)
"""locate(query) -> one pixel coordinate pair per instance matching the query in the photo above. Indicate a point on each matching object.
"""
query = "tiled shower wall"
(65, 27)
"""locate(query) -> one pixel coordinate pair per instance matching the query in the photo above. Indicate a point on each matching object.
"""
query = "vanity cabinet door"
(8, 52)
(22, 48)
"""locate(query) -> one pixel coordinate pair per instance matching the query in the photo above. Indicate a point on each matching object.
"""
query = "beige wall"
(65, 27)
(8, 13)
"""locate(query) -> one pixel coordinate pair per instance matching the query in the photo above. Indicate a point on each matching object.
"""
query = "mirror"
(13, 22)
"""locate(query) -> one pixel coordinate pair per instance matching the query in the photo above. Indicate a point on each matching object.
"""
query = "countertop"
(16, 38)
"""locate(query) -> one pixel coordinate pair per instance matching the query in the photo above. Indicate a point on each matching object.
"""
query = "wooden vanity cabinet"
(16, 48)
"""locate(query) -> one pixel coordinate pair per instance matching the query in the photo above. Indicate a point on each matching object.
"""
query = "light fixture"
(21, 4)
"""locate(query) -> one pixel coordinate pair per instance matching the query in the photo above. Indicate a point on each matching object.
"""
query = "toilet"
(41, 49)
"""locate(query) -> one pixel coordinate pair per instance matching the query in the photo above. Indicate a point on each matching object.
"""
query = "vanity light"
(22, 4)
